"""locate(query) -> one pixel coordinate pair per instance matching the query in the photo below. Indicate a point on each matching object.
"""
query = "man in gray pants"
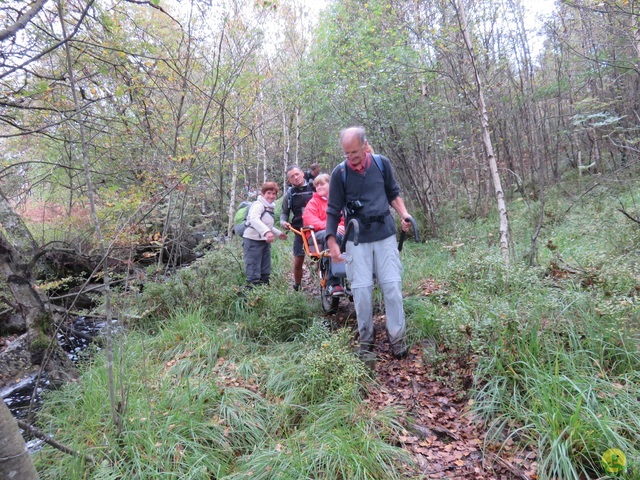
(365, 187)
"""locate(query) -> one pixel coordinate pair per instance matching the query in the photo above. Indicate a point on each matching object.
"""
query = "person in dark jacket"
(366, 191)
(311, 174)
(293, 203)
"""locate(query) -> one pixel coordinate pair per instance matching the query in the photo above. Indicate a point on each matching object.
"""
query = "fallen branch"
(36, 432)
(624, 212)
(596, 184)
(93, 288)
(76, 333)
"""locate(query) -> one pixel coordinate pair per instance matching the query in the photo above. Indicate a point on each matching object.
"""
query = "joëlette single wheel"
(329, 303)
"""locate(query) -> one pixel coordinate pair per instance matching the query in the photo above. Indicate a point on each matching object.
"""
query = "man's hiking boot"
(399, 350)
(369, 359)
(367, 355)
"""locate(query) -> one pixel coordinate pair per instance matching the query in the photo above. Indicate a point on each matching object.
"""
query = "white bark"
(486, 135)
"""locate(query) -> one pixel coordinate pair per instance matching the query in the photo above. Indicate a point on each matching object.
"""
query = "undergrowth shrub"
(329, 367)
(337, 442)
(421, 315)
(212, 283)
(570, 387)
(482, 274)
(216, 283)
(190, 413)
(270, 315)
(318, 365)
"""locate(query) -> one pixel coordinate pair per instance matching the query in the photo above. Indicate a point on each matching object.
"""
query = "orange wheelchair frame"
(322, 258)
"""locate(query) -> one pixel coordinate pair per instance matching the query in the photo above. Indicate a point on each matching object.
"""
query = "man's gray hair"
(359, 131)
(292, 167)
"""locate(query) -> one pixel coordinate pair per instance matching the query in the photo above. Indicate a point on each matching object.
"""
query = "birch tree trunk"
(486, 135)
(15, 461)
(262, 141)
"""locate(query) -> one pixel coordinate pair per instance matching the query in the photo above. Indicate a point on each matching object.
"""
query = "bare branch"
(22, 20)
(36, 432)
(626, 214)
(54, 46)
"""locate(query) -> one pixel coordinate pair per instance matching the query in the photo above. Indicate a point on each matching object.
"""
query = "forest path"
(441, 434)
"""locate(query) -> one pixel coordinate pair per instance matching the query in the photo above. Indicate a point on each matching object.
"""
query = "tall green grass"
(571, 390)
(556, 344)
(201, 399)
(220, 382)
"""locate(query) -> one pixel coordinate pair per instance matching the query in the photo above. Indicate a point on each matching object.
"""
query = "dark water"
(23, 399)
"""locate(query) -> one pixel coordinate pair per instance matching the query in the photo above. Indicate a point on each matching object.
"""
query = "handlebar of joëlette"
(352, 225)
(403, 234)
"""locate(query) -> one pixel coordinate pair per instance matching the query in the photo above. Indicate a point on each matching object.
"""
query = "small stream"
(24, 398)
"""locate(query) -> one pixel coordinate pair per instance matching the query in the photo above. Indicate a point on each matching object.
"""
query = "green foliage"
(316, 368)
(269, 314)
(250, 381)
(421, 318)
(213, 283)
(203, 402)
(557, 344)
(338, 443)
(571, 389)
(330, 368)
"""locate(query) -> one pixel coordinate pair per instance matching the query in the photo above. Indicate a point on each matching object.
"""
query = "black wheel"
(329, 303)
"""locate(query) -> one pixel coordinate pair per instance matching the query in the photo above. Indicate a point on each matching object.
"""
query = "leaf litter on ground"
(441, 433)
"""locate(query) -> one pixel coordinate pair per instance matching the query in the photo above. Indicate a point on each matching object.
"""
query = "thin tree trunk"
(234, 171)
(286, 139)
(297, 159)
(486, 135)
(115, 416)
(262, 141)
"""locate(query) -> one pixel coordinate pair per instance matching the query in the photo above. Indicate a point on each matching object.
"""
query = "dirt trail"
(440, 432)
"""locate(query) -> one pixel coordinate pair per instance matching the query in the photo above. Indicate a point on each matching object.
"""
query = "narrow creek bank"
(24, 397)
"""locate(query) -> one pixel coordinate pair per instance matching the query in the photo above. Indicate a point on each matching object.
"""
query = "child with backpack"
(258, 235)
